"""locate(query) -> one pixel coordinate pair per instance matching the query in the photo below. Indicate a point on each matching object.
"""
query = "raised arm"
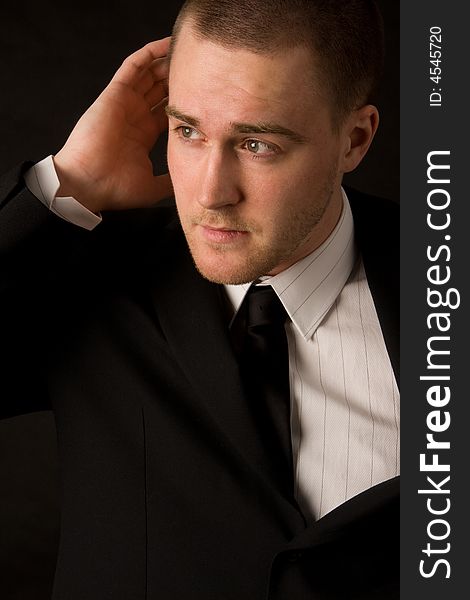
(105, 166)
(105, 162)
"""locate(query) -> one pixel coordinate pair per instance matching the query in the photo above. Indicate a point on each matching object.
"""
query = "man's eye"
(259, 148)
(188, 133)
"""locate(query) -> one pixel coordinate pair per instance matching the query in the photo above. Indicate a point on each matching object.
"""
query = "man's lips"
(222, 235)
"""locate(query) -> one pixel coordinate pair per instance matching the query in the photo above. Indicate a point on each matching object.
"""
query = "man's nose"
(220, 180)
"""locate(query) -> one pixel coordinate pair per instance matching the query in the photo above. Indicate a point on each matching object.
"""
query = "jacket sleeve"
(44, 262)
(35, 248)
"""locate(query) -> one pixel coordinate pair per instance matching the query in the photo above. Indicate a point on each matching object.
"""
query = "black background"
(55, 58)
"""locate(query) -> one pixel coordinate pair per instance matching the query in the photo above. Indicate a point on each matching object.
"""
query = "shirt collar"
(309, 287)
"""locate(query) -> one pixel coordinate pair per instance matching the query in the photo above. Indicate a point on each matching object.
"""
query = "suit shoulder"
(367, 206)
(375, 218)
(139, 229)
(139, 221)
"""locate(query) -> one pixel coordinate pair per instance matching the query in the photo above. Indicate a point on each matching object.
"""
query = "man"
(178, 477)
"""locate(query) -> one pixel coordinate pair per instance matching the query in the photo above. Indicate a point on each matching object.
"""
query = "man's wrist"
(69, 188)
(43, 182)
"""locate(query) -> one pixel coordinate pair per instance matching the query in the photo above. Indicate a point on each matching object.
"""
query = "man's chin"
(242, 261)
(224, 275)
(227, 269)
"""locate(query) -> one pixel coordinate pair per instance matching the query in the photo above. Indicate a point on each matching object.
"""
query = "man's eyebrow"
(273, 128)
(260, 127)
(171, 111)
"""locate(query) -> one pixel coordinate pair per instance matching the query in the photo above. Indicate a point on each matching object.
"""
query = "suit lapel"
(376, 225)
(194, 319)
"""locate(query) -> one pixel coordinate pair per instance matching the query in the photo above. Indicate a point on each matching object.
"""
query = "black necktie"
(264, 363)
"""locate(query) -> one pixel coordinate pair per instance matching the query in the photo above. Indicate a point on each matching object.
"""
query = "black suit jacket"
(162, 496)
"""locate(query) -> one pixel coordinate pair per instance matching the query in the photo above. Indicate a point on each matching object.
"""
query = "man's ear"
(359, 132)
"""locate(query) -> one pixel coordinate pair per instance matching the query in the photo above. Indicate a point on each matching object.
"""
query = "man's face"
(253, 158)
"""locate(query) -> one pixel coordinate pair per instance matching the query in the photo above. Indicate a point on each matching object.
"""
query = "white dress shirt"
(344, 396)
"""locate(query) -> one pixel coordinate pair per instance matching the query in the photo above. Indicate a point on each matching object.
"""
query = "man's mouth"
(221, 235)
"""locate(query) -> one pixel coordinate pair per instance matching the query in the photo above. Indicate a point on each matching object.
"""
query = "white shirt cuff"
(42, 181)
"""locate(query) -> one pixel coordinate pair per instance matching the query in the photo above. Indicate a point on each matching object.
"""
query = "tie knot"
(264, 307)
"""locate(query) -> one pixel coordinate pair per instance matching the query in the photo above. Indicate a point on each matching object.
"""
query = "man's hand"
(105, 162)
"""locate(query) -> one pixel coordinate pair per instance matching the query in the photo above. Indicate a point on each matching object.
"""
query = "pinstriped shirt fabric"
(344, 397)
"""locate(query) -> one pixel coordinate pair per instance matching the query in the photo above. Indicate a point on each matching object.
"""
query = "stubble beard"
(262, 258)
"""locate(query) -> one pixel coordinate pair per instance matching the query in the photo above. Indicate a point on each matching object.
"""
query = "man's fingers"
(150, 52)
(157, 71)
(130, 71)
(157, 93)
(159, 114)
(160, 69)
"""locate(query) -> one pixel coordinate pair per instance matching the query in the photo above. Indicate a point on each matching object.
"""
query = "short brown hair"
(346, 37)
